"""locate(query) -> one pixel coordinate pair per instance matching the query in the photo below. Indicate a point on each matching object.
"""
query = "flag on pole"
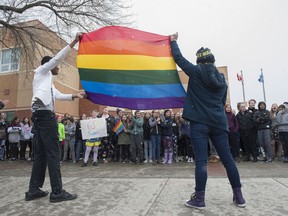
(124, 67)
(239, 77)
(119, 127)
(261, 78)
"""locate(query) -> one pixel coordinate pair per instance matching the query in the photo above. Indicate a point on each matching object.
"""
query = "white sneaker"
(189, 160)
(192, 161)
(150, 161)
(145, 161)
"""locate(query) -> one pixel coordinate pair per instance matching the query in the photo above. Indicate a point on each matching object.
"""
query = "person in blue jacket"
(204, 108)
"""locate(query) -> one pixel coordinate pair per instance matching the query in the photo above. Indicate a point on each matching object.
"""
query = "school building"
(17, 66)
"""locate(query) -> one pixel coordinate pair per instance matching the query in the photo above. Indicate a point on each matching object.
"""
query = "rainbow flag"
(124, 67)
(118, 127)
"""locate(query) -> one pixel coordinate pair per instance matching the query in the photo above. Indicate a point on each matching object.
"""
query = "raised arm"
(182, 62)
(52, 63)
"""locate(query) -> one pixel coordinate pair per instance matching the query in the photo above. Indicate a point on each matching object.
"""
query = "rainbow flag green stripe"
(130, 77)
(128, 68)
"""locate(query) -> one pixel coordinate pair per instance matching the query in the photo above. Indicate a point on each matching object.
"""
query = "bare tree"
(63, 17)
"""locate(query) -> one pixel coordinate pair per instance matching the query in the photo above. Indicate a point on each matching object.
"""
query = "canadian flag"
(239, 77)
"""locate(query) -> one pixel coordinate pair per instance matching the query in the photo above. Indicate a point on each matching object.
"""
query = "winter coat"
(166, 127)
(232, 122)
(78, 132)
(262, 119)
(14, 132)
(282, 120)
(146, 130)
(70, 131)
(155, 127)
(137, 126)
(206, 92)
(175, 128)
(124, 135)
(61, 131)
(3, 130)
(25, 132)
(245, 121)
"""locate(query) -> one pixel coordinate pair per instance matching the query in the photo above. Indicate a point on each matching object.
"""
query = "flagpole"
(243, 90)
(264, 94)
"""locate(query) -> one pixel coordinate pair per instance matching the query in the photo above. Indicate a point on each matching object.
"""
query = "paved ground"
(124, 189)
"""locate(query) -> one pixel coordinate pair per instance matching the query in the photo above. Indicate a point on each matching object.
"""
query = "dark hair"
(23, 121)
(251, 100)
(45, 59)
(81, 117)
(71, 119)
(14, 119)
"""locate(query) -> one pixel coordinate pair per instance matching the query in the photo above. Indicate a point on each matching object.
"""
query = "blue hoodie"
(206, 92)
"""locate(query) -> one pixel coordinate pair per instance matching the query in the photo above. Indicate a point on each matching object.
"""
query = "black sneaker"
(133, 162)
(35, 195)
(95, 163)
(84, 164)
(63, 196)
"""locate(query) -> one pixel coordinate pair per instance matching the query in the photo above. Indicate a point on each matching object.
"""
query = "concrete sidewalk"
(124, 189)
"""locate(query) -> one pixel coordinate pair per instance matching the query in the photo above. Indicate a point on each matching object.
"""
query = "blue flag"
(261, 78)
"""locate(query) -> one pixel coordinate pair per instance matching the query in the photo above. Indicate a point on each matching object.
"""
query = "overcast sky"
(243, 35)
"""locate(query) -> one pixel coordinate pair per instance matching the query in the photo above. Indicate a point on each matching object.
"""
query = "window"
(10, 60)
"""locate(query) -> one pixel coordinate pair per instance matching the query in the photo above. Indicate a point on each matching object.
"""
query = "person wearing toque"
(47, 149)
(204, 108)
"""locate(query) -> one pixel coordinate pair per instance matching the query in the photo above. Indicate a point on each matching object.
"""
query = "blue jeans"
(147, 149)
(200, 133)
(156, 141)
(79, 147)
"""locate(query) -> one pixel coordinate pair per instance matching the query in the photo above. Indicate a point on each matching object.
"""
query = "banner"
(124, 67)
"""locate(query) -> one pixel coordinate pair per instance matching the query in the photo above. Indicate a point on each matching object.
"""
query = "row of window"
(9, 60)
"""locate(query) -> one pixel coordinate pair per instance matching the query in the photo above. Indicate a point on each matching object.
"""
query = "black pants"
(46, 151)
(13, 150)
(249, 142)
(233, 143)
(23, 146)
(136, 147)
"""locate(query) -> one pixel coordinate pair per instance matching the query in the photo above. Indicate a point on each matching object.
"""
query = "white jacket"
(43, 80)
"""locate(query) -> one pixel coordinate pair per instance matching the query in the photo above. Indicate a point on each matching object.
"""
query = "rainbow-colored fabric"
(124, 67)
(119, 127)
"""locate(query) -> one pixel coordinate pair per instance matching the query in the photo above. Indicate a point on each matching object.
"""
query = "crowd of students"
(155, 137)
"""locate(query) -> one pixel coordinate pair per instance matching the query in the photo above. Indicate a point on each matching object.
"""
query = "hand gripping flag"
(124, 67)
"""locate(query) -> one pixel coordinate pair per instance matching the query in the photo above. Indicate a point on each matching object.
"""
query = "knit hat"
(204, 55)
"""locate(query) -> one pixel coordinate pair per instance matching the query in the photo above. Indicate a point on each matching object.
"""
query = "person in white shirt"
(47, 149)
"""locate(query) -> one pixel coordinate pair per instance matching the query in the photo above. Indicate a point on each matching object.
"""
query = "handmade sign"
(93, 128)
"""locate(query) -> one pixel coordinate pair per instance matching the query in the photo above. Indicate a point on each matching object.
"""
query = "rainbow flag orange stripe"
(128, 68)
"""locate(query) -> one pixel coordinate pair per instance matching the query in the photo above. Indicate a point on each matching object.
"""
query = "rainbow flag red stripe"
(128, 68)
(118, 127)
